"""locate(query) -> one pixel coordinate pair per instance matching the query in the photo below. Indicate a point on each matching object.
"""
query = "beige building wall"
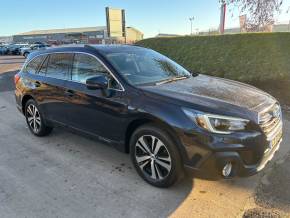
(133, 35)
(114, 22)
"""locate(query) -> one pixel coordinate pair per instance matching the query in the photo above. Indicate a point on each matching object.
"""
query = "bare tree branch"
(260, 13)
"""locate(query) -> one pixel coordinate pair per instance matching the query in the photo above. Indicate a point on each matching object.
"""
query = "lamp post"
(222, 17)
(191, 19)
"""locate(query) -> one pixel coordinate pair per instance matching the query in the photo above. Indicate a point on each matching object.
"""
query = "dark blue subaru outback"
(143, 103)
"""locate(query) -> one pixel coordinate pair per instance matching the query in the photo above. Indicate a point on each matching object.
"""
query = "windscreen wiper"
(171, 80)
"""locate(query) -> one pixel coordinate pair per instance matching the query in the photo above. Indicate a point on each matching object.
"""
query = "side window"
(33, 65)
(86, 66)
(43, 68)
(59, 65)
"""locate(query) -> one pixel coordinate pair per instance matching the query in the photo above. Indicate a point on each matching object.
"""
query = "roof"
(66, 30)
(105, 49)
(115, 48)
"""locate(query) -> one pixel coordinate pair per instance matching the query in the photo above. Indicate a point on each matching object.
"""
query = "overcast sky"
(149, 16)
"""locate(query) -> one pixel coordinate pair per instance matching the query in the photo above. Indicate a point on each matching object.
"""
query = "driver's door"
(94, 111)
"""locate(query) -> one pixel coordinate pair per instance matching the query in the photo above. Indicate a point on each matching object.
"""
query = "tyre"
(35, 120)
(155, 156)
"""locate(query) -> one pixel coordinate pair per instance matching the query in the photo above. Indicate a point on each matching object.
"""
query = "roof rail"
(88, 46)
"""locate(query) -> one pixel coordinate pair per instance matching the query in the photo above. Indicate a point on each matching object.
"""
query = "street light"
(191, 19)
(222, 16)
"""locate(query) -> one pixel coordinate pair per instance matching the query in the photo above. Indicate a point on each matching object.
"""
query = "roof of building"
(167, 35)
(69, 30)
(66, 30)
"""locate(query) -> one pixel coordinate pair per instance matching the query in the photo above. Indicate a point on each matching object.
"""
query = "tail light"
(16, 78)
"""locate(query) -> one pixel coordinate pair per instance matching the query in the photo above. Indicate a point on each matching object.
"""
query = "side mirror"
(97, 82)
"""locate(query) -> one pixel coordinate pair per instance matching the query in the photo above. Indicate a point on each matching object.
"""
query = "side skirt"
(118, 145)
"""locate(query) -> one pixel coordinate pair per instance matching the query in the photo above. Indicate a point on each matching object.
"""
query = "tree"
(260, 13)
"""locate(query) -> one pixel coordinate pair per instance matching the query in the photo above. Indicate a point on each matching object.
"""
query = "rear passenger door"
(55, 70)
(32, 80)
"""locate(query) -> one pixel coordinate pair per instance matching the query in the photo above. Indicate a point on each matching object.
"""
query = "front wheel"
(155, 156)
(35, 120)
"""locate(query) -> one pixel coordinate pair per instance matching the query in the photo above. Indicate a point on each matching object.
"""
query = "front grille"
(271, 121)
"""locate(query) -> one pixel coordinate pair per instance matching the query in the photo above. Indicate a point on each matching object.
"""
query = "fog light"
(227, 169)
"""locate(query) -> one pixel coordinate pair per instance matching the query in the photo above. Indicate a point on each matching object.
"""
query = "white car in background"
(27, 50)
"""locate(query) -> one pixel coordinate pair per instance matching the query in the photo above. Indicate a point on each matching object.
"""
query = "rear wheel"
(155, 156)
(35, 120)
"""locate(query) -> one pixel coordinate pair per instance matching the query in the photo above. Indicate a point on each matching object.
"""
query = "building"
(5, 39)
(278, 27)
(164, 35)
(133, 35)
(91, 35)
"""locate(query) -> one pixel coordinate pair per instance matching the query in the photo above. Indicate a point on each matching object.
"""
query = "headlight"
(216, 123)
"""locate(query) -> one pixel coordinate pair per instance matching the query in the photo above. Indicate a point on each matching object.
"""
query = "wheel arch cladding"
(25, 99)
(161, 124)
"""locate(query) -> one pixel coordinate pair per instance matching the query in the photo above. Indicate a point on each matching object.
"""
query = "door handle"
(37, 84)
(69, 92)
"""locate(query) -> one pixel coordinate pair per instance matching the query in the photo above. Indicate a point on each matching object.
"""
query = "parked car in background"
(143, 103)
(14, 49)
(27, 50)
(3, 50)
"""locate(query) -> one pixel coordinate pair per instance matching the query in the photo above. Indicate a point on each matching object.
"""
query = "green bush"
(244, 57)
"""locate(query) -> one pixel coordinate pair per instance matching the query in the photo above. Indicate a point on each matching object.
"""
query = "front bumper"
(212, 167)
(248, 153)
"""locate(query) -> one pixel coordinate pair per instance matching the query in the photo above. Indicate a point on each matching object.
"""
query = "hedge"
(244, 57)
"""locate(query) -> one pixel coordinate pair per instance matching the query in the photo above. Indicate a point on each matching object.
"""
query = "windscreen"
(144, 66)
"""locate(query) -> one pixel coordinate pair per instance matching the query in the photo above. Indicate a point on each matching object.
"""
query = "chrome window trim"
(79, 52)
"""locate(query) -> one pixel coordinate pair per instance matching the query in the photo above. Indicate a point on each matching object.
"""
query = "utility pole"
(191, 19)
(223, 16)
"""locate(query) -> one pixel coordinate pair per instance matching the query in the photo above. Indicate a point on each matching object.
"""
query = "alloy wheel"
(33, 118)
(152, 157)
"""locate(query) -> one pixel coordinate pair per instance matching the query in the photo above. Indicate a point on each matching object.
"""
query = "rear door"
(31, 79)
(100, 112)
(55, 71)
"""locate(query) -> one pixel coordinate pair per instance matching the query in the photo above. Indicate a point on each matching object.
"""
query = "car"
(25, 51)
(14, 49)
(171, 121)
(3, 50)
(24, 48)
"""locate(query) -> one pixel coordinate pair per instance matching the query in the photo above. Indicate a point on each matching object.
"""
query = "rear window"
(42, 70)
(59, 65)
(34, 65)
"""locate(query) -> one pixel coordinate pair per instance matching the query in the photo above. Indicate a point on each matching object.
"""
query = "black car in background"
(14, 49)
(143, 103)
